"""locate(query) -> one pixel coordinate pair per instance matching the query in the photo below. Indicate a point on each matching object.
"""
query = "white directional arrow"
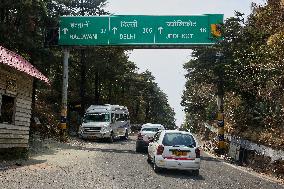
(65, 30)
(114, 30)
(160, 29)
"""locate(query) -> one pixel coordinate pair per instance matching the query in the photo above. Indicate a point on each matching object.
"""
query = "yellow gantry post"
(221, 138)
(220, 104)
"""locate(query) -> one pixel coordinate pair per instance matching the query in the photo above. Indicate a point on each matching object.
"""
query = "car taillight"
(197, 153)
(140, 137)
(160, 150)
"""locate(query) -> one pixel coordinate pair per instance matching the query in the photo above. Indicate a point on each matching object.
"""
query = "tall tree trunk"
(97, 83)
(100, 91)
(109, 92)
(147, 112)
(83, 82)
(33, 106)
(3, 15)
(33, 100)
(137, 109)
(83, 70)
(123, 94)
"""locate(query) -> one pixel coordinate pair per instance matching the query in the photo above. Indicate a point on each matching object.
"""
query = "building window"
(7, 109)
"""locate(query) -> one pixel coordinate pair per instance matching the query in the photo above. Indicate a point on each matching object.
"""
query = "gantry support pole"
(220, 104)
(63, 126)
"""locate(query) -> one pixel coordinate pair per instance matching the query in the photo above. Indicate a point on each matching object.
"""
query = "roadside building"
(16, 82)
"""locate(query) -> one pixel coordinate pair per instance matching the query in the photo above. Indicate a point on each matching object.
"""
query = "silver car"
(147, 133)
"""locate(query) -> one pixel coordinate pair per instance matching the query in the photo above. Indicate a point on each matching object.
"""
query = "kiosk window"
(7, 109)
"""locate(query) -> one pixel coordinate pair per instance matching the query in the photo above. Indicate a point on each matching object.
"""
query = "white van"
(105, 121)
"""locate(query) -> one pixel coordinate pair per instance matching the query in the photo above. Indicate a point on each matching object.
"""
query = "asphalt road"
(90, 164)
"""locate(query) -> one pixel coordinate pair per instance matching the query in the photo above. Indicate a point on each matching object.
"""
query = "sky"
(167, 64)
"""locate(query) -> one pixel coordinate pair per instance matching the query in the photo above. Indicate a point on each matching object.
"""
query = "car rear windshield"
(178, 139)
(153, 129)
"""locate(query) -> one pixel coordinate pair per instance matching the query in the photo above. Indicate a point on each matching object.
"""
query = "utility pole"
(220, 104)
(63, 120)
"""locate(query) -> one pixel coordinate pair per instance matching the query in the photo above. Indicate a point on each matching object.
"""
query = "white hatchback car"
(173, 149)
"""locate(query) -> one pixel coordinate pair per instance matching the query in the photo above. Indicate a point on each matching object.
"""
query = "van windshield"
(97, 117)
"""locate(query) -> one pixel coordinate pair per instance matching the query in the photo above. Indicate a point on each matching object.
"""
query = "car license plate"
(179, 153)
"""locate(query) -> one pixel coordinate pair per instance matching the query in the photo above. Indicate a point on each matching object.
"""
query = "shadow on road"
(207, 158)
(107, 150)
(104, 141)
(180, 174)
(7, 165)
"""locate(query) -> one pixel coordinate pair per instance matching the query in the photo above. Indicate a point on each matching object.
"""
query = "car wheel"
(149, 159)
(80, 136)
(111, 138)
(156, 168)
(138, 149)
(195, 172)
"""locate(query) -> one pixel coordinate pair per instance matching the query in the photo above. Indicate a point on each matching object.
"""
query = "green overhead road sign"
(83, 31)
(128, 30)
(184, 30)
(138, 30)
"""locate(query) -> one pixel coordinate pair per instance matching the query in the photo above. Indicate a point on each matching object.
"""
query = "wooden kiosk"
(16, 82)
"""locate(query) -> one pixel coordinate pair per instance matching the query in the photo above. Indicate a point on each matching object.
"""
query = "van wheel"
(138, 149)
(195, 172)
(126, 135)
(111, 138)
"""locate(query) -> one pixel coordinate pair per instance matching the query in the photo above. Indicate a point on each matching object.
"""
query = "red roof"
(18, 62)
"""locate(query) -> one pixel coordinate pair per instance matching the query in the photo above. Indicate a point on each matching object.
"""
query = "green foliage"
(122, 85)
(104, 75)
(251, 68)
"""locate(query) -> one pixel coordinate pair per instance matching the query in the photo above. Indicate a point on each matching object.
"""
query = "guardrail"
(238, 144)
